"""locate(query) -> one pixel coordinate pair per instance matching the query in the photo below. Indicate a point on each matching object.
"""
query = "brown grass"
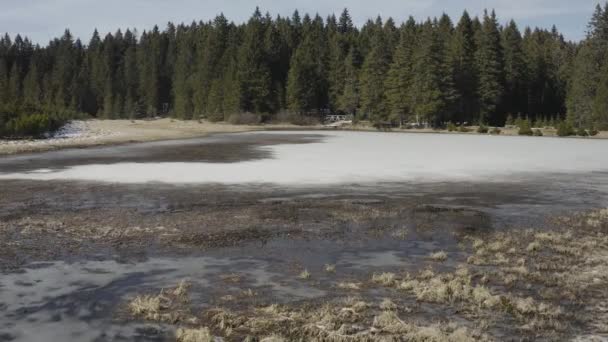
(534, 281)
(194, 335)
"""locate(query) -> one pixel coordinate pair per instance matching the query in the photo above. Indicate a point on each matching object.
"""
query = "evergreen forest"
(473, 70)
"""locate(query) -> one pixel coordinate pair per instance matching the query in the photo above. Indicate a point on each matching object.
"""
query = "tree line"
(435, 71)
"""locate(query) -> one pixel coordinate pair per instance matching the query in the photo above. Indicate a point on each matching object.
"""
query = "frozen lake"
(330, 158)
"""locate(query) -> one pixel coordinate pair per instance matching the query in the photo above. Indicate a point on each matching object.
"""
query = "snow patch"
(362, 157)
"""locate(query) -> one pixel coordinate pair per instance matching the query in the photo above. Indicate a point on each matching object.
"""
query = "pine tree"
(149, 61)
(348, 101)
(83, 98)
(301, 96)
(4, 81)
(516, 73)
(254, 74)
(373, 75)
(431, 90)
(31, 87)
(14, 85)
(131, 79)
(182, 90)
(108, 101)
(600, 104)
(216, 101)
(462, 55)
(490, 65)
(583, 94)
(399, 77)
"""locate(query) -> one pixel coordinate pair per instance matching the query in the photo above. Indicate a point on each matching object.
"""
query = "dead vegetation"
(530, 284)
(169, 306)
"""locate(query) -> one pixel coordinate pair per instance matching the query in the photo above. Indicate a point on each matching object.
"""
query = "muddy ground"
(519, 260)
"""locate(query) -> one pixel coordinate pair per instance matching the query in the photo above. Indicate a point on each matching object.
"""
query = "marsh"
(403, 231)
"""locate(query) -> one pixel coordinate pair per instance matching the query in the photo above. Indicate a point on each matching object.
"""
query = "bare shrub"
(245, 119)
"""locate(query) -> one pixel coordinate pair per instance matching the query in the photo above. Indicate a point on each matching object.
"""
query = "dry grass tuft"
(181, 291)
(194, 335)
(231, 278)
(533, 247)
(273, 338)
(147, 307)
(330, 268)
(388, 305)
(304, 275)
(168, 306)
(384, 279)
(440, 256)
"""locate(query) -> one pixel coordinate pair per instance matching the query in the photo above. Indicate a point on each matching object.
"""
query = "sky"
(42, 20)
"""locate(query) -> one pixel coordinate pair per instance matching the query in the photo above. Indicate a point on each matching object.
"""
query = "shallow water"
(319, 158)
(499, 181)
(77, 301)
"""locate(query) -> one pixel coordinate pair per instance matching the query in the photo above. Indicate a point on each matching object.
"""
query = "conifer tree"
(108, 101)
(4, 81)
(148, 61)
(350, 96)
(301, 97)
(490, 65)
(462, 55)
(14, 85)
(373, 75)
(600, 104)
(31, 87)
(516, 73)
(399, 77)
(182, 83)
(131, 79)
(254, 74)
(431, 90)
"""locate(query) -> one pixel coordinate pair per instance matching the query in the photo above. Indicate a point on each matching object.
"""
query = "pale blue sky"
(42, 20)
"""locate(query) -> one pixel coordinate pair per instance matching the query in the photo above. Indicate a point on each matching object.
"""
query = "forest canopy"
(437, 71)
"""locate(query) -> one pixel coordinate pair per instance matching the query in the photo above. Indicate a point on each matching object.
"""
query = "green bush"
(524, 128)
(483, 129)
(30, 121)
(565, 129)
(451, 127)
(581, 132)
(463, 129)
(593, 132)
(538, 133)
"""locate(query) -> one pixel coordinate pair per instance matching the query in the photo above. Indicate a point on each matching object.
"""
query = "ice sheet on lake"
(361, 157)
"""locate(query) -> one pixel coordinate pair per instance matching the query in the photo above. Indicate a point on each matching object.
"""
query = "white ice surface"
(359, 157)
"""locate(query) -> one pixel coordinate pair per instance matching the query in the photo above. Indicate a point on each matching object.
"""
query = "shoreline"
(98, 133)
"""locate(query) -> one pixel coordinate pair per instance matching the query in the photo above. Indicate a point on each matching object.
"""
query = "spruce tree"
(14, 85)
(600, 104)
(431, 91)
(490, 65)
(108, 101)
(182, 89)
(462, 55)
(301, 96)
(516, 73)
(131, 79)
(399, 77)
(254, 74)
(4, 81)
(31, 87)
(348, 101)
(373, 75)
